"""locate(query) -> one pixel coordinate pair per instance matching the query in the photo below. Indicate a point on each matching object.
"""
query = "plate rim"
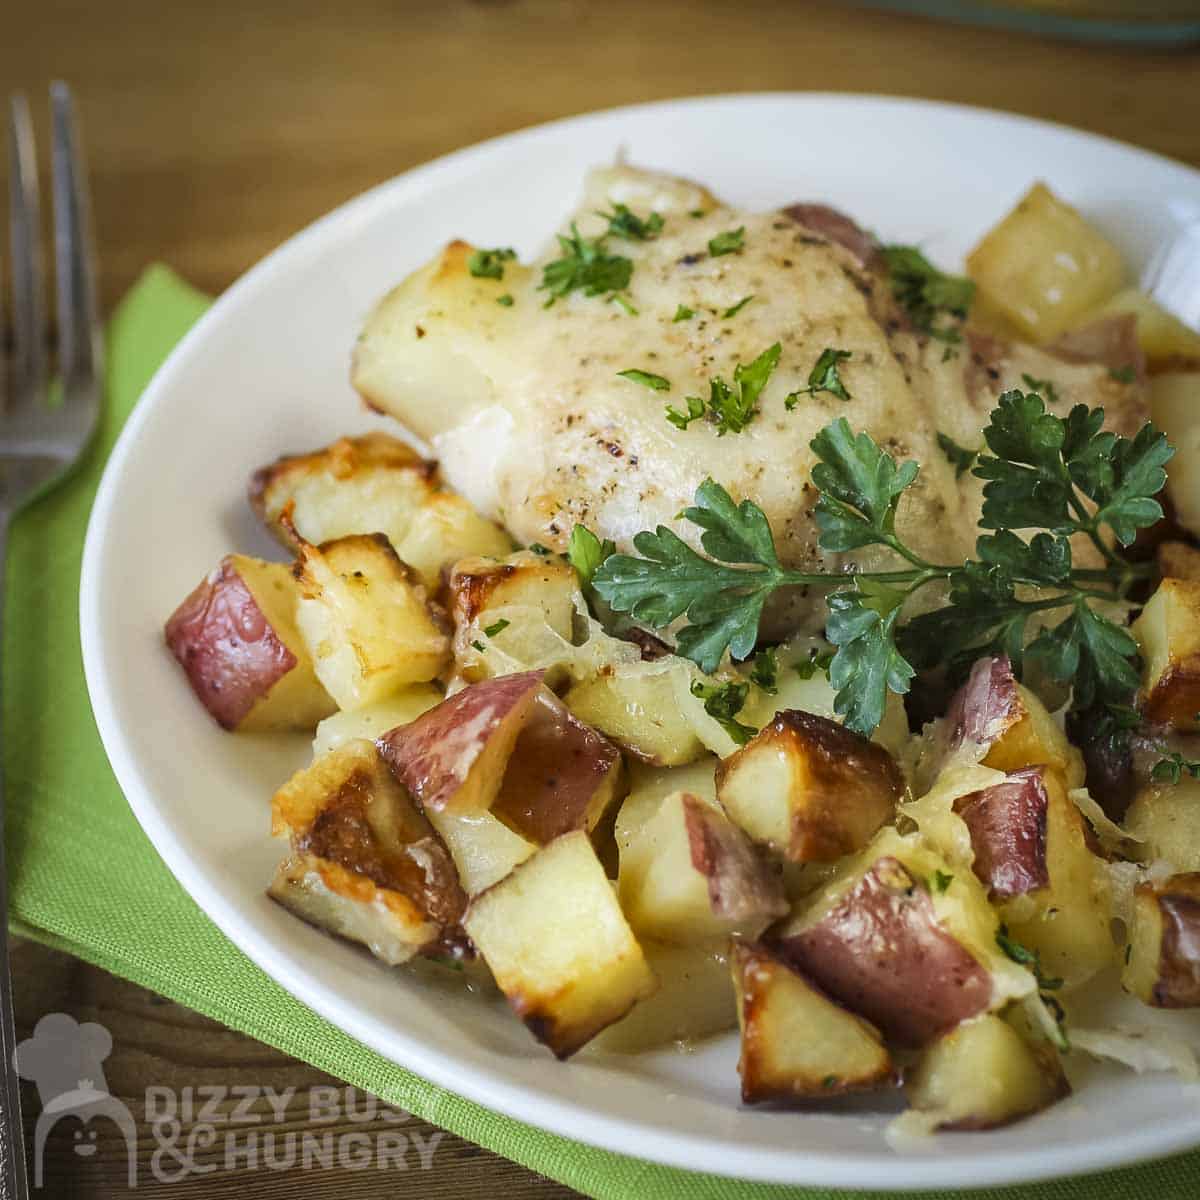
(569, 1119)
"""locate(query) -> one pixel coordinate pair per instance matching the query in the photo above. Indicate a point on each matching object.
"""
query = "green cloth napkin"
(85, 879)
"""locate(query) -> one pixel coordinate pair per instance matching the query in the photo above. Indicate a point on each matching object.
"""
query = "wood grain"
(217, 130)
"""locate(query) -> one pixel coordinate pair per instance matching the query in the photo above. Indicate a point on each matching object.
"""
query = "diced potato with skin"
(364, 863)
(373, 484)
(484, 849)
(1163, 968)
(1168, 633)
(982, 1075)
(1175, 409)
(561, 775)
(559, 946)
(1044, 266)
(797, 1043)
(1068, 922)
(375, 719)
(1007, 823)
(636, 705)
(236, 638)
(810, 788)
(1161, 336)
(1166, 820)
(365, 620)
(689, 874)
(454, 756)
(695, 1000)
(903, 941)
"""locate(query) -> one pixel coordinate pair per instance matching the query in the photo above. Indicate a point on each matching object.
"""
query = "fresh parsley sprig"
(584, 265)
(824, 377)
(1040, 469)
(730, 408)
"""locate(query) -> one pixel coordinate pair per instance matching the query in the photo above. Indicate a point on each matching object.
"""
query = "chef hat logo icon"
(65, 1061)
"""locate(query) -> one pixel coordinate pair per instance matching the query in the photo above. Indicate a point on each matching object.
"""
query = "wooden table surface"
(216, 130)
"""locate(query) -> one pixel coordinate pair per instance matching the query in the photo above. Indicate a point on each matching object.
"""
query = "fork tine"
(28, 297)
(79, 345)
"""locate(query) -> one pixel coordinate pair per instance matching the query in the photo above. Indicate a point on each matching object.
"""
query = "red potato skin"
(433, 755)
(226, 646)
(1111, 341)
(1007, 823)
(986, 706)
(740, 887)
(881, 953)
(556, 767)
(1180, 953)
(838, 228)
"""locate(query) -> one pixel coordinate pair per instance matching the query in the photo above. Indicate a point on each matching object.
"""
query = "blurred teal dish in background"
(1138, 22)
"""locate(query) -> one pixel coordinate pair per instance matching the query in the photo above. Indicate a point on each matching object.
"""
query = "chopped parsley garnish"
(696, 213)
(647, 379)
(538, 548)
(961, 459)
(925, 293)
(1044, 387)
(623, 302)
(477, 645)
(939, 881)
(764, 673)
(824, 377)
(585, 552)
(734, 309)
(683, 313)
(498, 627)
(584, 265)
(723, 702)
(728, 242)
(1173, 767)
(1047, 476)
(506, 300)
(817, 660)
(489, 264)
(1026, 958)
(624, 223)
(1125, 374)
(730, 408)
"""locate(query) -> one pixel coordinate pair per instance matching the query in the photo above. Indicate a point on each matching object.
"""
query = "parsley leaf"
(1173, 767)
(623, 223)
(816, 661)
(925, 293)
(1026, 958)
(647, 379)
(1125, 374)
(723, 702)
(730, 408)
(939, 881)
(1044, 387)
(489, 264)
(585, 552)
(824, 377)
(584, 265)
(683, 313)
(498, 627)
(764, 674)
(728, 242)
(506, 300)
(961, 459)
(734, 309)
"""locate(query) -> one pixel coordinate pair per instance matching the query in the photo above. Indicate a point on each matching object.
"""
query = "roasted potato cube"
(1007, 823)
(694, 1000)
(1174, 404)
(375, 719)
(1161, 336)
(561, 775)
(1043, 266)
(365, 620)
(797, 1043)
(364, 863)
(369, 484)
(809, 788)
(1178, 560)
(688, 874)
(1166, 820)
(900, 939)
(1163, 967)
(1068, 922)
(983, 1074)
(445, 529)
(454, 756)
(1168, 633)
(478, 586)
(558, 945)
(236, 638)
(484, 849)
(637, 706)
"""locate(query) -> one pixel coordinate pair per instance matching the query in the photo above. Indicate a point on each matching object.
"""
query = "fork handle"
(14, 1183)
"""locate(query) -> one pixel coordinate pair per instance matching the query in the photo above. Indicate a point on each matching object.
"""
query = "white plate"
(266, 372)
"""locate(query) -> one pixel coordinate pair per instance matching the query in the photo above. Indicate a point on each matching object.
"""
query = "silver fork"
(44, 432)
